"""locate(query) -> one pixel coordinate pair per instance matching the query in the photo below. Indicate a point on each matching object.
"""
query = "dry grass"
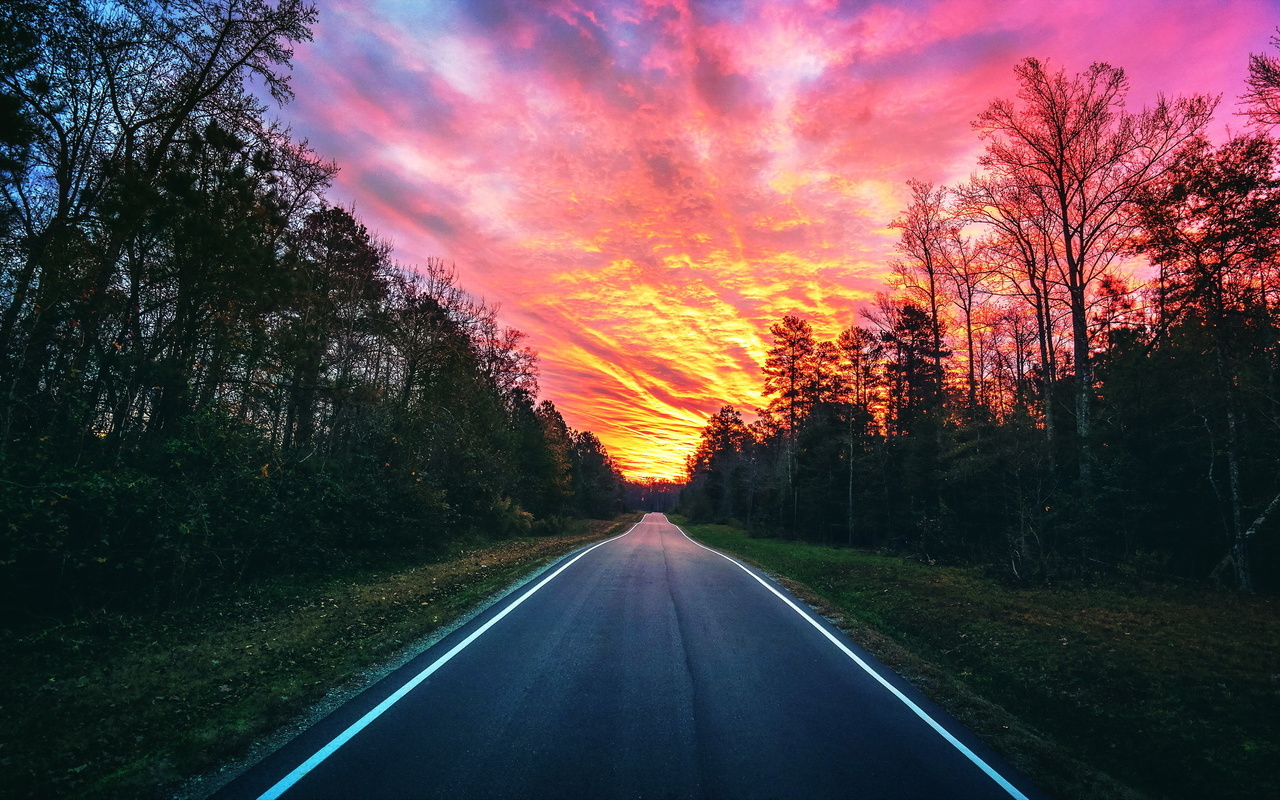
(130, 706)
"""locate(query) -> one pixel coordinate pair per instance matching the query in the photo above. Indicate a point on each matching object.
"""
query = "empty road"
(646, 666)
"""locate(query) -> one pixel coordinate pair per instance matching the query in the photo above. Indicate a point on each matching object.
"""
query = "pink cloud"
(644, 187)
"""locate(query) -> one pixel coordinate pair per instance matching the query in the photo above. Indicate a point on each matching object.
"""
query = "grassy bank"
(130, 706)
(1173, 690)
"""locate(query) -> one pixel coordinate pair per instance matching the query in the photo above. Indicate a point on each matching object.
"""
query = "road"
(644, 667)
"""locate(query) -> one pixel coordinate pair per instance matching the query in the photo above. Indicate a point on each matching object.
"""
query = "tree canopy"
(1032, 394)
(207, 369)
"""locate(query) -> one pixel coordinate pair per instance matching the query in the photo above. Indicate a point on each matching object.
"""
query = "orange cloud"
(644, 187)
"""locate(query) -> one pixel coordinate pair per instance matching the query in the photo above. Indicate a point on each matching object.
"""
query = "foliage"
(209, 373)
(939, 430)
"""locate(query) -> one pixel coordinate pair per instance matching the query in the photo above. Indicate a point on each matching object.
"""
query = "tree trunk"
(1237, 557)
(1084, 382)
(1048, 365)
(849, 465)
(968, 335)
(1239, 554)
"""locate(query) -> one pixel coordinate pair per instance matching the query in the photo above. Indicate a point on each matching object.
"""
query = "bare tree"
(1081, 158)
(966, 271)
(921, 270)
(1263, 97)
(1019, 246)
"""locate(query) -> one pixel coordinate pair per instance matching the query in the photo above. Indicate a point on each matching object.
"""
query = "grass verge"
(130, 706)
(1171, 689)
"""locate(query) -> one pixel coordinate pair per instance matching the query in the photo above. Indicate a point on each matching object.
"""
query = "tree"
(342, 282)
(209, 370)
(1080, 159)
(925, 239)
(790, 372)
(965, 271)
(1214, 221)
(860, 353)
(859, 367)
(554, 462)
(802, 373)
(1019, 247)
(912, 372)
(18, 41)
(1263, 96)
(597, 484)
(714, 467)
(114, 95)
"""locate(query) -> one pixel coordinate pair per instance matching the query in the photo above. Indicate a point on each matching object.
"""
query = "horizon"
(644, 189)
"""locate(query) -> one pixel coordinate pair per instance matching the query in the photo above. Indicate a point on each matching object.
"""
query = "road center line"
(320, 755)
(919, 712)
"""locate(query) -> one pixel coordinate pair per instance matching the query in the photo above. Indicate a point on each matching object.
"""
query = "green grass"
(1173, 690)
(130, 706)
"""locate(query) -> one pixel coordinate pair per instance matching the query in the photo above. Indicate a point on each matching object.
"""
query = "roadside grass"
(130, 706)
(1173, 690)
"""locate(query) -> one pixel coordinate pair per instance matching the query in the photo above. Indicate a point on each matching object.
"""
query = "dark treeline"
(207, 371)
(652, 494)
(1016, 400)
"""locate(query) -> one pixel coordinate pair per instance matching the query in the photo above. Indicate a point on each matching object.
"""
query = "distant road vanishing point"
(645, 666)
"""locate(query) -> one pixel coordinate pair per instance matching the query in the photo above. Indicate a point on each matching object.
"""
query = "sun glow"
(645, 187)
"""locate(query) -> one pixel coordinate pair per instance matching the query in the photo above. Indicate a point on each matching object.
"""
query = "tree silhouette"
(1213, 221)
(1080, 158)
(209, 373)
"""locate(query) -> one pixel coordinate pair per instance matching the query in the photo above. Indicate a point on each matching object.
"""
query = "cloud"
(643, 187)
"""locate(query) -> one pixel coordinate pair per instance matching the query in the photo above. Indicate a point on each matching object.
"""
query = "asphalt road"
(644, 667)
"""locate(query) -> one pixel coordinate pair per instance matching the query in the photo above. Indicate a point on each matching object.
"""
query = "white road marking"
(289, 780)
(919, 712)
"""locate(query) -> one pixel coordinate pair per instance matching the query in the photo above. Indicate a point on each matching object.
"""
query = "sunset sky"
(645, 187)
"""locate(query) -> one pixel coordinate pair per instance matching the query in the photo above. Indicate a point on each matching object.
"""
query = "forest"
(1075, 371)
(210, 372)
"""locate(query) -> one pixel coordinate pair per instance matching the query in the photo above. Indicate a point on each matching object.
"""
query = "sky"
(644, 187)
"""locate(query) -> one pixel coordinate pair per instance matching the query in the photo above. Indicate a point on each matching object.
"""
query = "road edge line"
(990, 771)
(287, 782)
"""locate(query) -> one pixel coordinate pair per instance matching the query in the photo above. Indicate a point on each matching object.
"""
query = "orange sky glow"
(644, 187)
